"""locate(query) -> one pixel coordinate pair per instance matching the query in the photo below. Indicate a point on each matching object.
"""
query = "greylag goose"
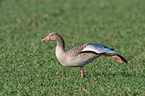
(81, 55)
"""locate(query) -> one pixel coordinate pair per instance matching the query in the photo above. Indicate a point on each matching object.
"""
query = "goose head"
(51, 36)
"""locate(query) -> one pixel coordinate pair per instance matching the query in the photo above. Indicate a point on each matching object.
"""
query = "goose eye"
(51, 35)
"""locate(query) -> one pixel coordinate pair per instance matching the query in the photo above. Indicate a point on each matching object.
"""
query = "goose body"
(74, 56)
(81, 55)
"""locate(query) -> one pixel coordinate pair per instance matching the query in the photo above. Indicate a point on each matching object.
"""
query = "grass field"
(29, 66)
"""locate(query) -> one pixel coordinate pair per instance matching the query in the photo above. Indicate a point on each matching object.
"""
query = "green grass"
(29, 66)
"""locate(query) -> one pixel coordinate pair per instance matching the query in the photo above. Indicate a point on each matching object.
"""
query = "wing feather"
(99, 48)
(77, 49)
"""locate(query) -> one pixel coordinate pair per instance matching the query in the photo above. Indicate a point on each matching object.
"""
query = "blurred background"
(29, 66)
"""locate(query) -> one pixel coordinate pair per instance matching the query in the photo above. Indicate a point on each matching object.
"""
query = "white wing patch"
(98, 48)
(91, 48)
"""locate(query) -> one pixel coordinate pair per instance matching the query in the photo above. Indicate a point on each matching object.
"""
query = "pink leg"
(82, 70)
(117, 58)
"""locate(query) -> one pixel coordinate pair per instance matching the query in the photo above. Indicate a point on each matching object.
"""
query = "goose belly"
(78, 61)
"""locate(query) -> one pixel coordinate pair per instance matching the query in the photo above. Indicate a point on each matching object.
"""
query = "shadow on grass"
(124, 74)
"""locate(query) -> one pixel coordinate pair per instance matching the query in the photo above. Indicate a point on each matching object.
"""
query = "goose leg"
(117, 58)
(82, 71)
